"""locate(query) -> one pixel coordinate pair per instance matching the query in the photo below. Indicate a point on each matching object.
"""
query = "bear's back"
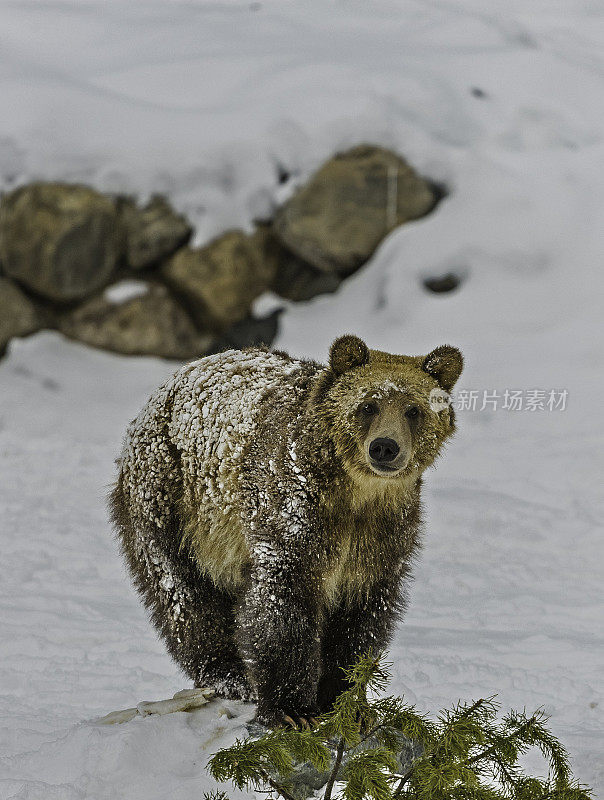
(217, 403)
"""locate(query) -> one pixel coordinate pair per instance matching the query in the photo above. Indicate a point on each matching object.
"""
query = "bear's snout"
(383, 451)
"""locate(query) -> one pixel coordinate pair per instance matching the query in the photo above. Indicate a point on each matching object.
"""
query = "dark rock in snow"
(443, 283)
(294, 278)
(248, 332)
(298, 281)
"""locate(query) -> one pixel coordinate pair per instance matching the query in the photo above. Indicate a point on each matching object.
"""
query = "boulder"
(148, 322)
(249, 332)
(61, 241)
(298, 281)
(336, 221)
(293, 278)
(152, 233)
(219, 282)
(442, 283)
(18, 315)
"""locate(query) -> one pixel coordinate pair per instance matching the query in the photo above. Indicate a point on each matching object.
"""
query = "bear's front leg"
(278, 637)
(353, 628)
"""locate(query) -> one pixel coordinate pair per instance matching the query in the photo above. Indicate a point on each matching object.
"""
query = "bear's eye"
(369, 409)
(412, 412)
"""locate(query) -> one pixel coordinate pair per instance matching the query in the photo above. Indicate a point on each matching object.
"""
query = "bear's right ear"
(347, 352)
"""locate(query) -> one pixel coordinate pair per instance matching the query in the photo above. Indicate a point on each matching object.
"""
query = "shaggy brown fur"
(269, 510)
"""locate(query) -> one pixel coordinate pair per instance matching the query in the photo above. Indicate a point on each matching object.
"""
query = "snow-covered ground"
(205, 101)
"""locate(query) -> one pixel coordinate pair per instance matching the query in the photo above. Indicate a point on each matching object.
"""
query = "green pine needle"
(366, 775)
(468, 753)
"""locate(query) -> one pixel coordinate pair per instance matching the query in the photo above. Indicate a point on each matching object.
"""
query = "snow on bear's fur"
(269, 509)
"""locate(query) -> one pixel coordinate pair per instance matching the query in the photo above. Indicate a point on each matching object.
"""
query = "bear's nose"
(383, 450)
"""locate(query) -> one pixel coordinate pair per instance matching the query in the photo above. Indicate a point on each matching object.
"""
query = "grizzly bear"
(269, 511)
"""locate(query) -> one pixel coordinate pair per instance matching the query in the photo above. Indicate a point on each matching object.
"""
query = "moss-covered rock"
(220, 281)
(151, 322)
(336, 221)
(153, 233)
(59, 240)
(18, 315)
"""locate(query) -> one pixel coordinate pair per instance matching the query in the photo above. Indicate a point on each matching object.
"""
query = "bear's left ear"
(347, 352)
(444, 364)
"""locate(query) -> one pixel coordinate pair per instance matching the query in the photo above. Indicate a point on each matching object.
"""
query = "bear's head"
(388, 415)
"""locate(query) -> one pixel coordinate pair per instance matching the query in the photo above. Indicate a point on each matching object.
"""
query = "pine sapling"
(467, 753)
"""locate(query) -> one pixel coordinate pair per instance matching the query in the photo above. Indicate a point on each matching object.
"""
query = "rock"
(306, 780)
(152, 233)
(18, 315)
(61, 241)
(338, 219)
(294, 279)
(218, 282)
(248, 332)
(152, 324)
(298, 281)
(442, 283)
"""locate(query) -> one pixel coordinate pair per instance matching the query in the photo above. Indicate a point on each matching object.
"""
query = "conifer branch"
(464, 749)
(497, 745)
(402, 783)
(334, 771)
(279, 788)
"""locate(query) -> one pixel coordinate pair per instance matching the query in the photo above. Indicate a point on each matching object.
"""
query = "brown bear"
(269, 510)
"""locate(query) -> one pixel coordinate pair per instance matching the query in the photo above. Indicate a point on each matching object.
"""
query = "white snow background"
(205, 101)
